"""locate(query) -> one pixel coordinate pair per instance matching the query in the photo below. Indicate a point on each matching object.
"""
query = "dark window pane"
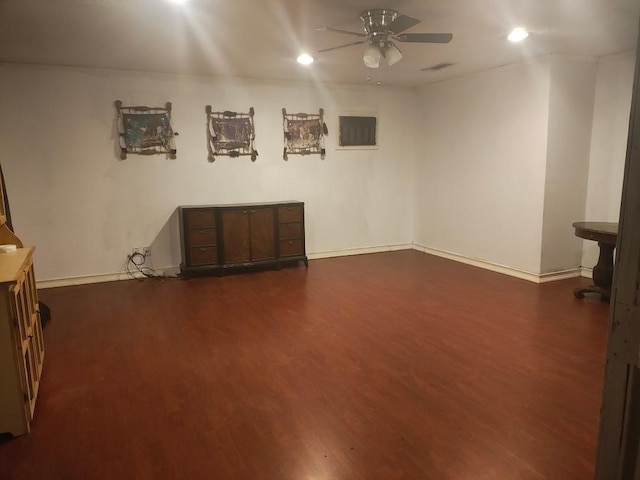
(357, 131)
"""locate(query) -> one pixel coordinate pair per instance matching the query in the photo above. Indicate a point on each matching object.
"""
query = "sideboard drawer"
(201, 237)
(293, 213)
(289, 231)
(201, 218)
(291, 248)
(203, 256)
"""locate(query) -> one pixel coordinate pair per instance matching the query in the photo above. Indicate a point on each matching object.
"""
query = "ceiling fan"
(381, 26)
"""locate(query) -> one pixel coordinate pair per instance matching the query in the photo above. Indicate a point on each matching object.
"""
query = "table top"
(606, 232)
(12, 264)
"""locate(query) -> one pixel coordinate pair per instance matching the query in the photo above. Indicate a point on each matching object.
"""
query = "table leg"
(602, 274)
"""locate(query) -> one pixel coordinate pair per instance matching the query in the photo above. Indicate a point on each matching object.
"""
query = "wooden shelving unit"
(21, 340)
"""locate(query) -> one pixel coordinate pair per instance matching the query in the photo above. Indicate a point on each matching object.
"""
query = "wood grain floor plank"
(388, 366)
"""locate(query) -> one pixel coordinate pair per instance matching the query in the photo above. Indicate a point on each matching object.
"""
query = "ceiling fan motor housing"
(377, 21)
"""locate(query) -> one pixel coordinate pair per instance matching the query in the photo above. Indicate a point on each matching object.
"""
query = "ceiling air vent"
(436, 67)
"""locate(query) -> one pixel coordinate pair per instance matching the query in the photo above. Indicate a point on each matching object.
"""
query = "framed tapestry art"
(145, 130)
(230, 133)
(304, 133)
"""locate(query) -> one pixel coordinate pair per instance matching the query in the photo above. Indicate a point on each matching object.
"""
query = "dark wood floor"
(388, 366)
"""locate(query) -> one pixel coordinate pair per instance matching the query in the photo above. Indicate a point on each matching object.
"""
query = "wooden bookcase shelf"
(21, 340)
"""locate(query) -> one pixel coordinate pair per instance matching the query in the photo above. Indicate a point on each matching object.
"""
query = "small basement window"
(357, 131)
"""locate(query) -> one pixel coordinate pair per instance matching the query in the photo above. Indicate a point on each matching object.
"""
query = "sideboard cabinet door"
(248, 235)
(236, 236)
(263, 243)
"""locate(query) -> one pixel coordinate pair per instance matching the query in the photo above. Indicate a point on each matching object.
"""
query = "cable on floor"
(136, 261)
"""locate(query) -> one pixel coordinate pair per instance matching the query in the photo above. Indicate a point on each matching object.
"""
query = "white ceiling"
(261, 38)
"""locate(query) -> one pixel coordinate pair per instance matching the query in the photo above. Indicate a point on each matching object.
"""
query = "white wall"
(480, 167)
(571, 100)
(84, 209)
(470, 176)
(614, 85)
(505, 188)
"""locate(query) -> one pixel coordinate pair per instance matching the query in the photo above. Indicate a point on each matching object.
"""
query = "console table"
(606, 234)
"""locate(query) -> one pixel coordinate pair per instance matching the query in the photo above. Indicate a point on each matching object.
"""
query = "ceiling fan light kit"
(392, 53)
(381, 26)
(371, 56)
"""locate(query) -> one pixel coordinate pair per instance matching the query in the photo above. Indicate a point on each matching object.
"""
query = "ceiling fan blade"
(402, 23)
(425, 37)
(341, 31)
(341, 46)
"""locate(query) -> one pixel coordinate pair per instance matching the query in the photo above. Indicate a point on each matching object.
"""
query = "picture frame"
(304, 133)
(357, 131)
(145, 130)
(230, 133)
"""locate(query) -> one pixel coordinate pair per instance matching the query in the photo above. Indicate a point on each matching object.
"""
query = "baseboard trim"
(113, 277)
(586, 272)
(494, 267)
(562, 275)
(513, 272)
(174, 271)
(359, 251)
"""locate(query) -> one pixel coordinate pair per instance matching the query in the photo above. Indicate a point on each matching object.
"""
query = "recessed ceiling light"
(517, 34)
(305, 59)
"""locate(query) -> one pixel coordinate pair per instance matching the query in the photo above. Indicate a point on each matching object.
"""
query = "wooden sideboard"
(215, 238)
